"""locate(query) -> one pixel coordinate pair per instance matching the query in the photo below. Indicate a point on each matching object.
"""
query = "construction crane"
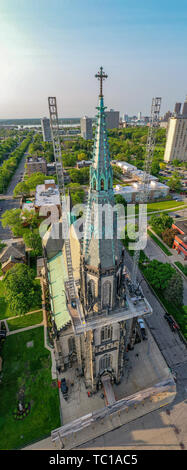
(54, 123)
(155, 110)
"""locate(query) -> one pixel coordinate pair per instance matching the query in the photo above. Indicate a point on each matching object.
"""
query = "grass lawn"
(181, 267)
(158, 206)
(5, 310)
(27, 368)
(159, 243)
(25, 320)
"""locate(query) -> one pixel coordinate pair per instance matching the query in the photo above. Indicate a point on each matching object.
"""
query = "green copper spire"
(101, 171)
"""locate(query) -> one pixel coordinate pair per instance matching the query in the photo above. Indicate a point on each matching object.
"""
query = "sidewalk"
(24, 329)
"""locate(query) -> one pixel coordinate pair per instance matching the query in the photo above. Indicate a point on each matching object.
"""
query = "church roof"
(57, 276)
(17, 252)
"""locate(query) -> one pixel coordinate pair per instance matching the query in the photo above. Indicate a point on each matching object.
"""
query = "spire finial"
(101, 76)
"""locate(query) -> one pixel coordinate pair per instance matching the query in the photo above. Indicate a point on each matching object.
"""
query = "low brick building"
(180, 240)
(35, 164)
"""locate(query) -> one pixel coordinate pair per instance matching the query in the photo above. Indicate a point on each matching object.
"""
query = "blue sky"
(55, 47)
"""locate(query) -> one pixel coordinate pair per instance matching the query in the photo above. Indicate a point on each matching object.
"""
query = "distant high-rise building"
(125, 117)
(112, 119)
(177, 108)
(184, 109)
(46, 129)
(176, 144)
(167, 115)
(146, 119)
(86, 128)
(139, 116)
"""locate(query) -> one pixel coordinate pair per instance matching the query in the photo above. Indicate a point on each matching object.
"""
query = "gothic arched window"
(102, 185)
(91, 291)
(106, 297)
(106, 333)
(109, 184)
(71, 344)
(94, 184)
(105, 362)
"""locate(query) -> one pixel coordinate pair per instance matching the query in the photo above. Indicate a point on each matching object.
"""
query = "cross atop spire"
(101, 76)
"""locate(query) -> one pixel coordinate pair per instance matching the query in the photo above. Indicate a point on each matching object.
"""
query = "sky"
(55, 48)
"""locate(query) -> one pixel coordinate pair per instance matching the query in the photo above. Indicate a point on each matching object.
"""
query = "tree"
(161, 222)
(80, 176)
(162, 165)
(33, 240)
(21, 189)
(176, 162)
(119, 199)
(174, 289)
(155, 168)
(174, 182)
(20, 288)
(12, 219)
(81, 156)
(35, 179)
(168, 236)
(30, 219)
(69, 159)
(158, 274)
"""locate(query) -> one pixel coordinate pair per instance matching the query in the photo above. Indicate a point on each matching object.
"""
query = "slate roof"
(12, 251)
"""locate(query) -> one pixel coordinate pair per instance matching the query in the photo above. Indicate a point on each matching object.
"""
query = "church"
(93, 333)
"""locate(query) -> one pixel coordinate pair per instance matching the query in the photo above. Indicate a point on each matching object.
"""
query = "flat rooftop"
(35, 159)
(134, 187)
(46, 197)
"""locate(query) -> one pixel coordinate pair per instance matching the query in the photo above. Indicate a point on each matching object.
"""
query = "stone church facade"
(99, 348)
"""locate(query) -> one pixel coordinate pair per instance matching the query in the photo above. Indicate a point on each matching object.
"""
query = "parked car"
(142, 328)
(64, 388)
(173, 325)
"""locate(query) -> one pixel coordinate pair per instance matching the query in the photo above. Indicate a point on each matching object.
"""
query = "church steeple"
(101, 171)
(100, 244)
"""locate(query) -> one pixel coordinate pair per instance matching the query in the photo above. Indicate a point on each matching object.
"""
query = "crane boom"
(155, 110)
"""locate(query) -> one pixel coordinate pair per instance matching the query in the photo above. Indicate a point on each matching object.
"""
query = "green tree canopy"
(174, 290)
(168, 236)
(12, 219)
(161, 222)
(21, 189)
(174, 182)
(158, 274)
(20, 288)
(33, 240)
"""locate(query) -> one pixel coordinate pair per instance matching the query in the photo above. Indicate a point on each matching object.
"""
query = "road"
(16, 176)
(10, 202)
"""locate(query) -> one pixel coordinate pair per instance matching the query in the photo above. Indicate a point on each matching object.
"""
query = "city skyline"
(56, 49)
